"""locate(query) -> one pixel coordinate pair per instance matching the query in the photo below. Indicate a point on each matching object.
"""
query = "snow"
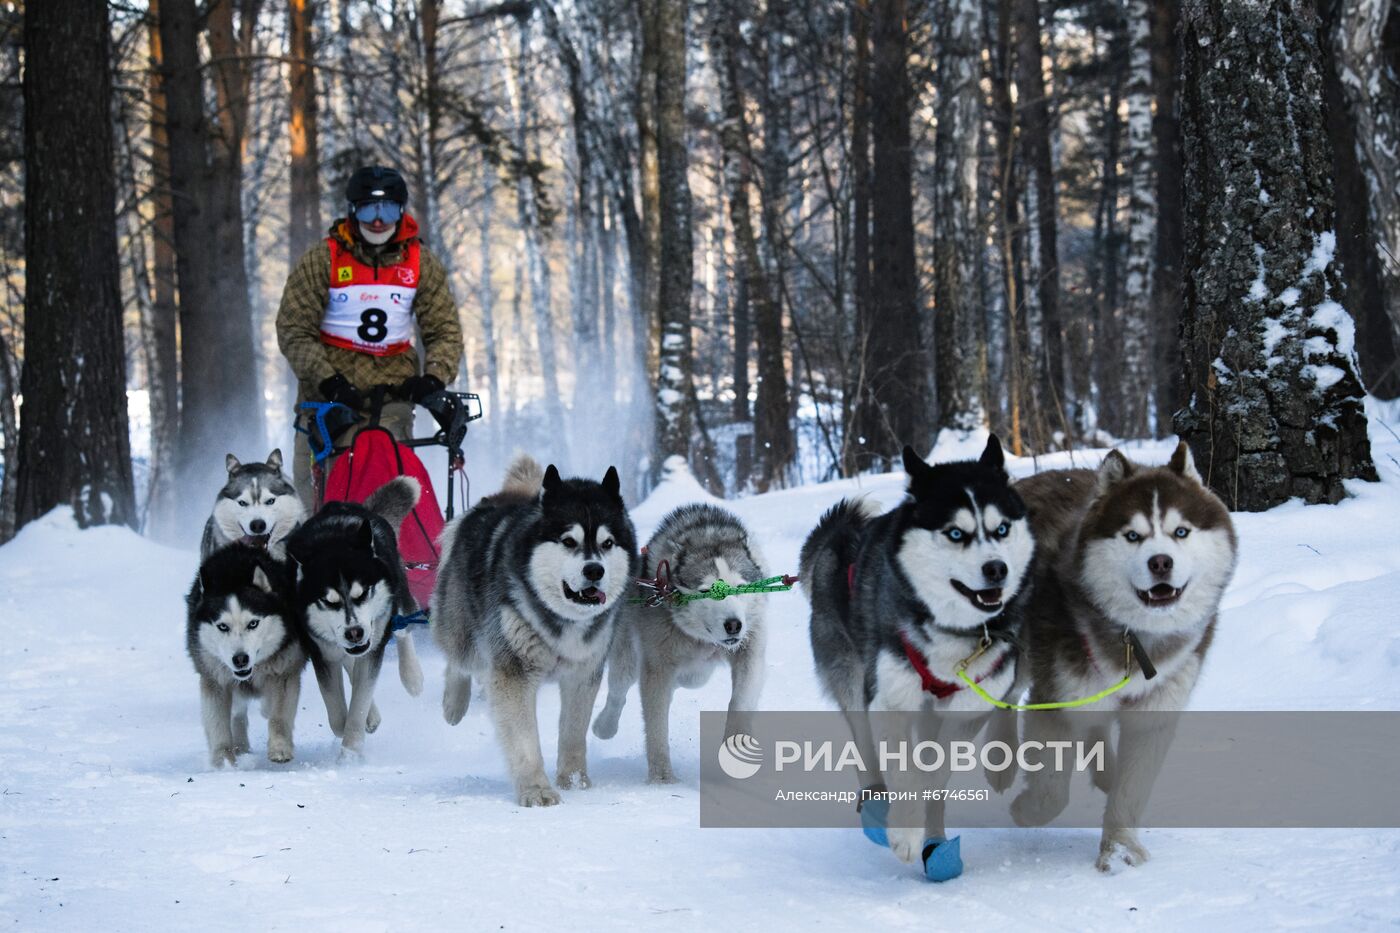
(110, 817)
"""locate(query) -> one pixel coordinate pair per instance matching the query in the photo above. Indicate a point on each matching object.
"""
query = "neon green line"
(1066, 704)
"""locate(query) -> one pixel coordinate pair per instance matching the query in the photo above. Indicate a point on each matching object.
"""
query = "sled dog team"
(1035, 586)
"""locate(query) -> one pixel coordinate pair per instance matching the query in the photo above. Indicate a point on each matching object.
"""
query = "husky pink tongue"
(594, 594)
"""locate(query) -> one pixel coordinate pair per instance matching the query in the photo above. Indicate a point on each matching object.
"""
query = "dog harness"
(942, 689)
(370, 308)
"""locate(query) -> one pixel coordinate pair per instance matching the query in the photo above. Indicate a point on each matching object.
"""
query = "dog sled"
(374, 456)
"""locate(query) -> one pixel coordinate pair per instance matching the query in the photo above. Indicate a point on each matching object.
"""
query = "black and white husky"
(350, 583)
(241, 637)
(681, 645)
(528, 586)
(899, 599)
(1128, 549)
(257, 506)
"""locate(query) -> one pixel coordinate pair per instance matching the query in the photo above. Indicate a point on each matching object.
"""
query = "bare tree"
(1275, 401)
(73, 446)
(304, 196)
(1134, 364)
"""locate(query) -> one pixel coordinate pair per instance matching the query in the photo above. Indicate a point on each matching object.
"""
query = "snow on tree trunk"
(1372, 84)
(1275, 407)
(1134, 380)
(73, 447)
(673, 380)
(960, 327)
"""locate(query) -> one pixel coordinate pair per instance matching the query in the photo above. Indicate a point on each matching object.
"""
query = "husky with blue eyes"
(257, 506)
(899, 600)
(350, 583)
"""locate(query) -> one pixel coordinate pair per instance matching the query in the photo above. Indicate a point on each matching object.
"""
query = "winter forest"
(776, 239)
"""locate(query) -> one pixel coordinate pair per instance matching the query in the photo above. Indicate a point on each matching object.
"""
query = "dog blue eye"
(1183, 531)
(253, 624)
(242, 503)
(1003, 530)
(223, 627)
(1133, 536)
(955, 534)
(269, 502)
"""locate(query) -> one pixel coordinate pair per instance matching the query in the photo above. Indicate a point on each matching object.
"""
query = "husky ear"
(261, 581)
(1182, 462)
(612, 483)
(231, 462)
(552, 482)
(274, 459)
(913, 463)
(992, 457)
(198, 590)
(364, 537)
(1114, 469)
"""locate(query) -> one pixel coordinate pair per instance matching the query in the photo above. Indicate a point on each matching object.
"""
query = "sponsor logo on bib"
(344, 274)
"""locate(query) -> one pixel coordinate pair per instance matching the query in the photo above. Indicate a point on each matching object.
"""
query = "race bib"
(370, 310)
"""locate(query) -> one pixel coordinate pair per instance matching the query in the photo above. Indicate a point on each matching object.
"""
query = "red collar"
(941, 689)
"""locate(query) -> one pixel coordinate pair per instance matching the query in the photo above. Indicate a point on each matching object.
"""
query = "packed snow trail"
(111, 819)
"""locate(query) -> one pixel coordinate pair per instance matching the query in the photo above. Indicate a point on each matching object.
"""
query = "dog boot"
(942, 858)
(874, 817)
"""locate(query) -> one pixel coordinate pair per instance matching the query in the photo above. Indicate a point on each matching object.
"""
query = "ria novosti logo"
(740, 756)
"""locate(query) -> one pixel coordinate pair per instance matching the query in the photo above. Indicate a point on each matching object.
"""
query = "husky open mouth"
(1163, 594)
(243, 674)
(590, 596)
(361, 648)
(988, 600)
(255, 540)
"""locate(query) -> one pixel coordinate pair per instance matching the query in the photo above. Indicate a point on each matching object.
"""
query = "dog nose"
(1160, 565)
(994, 571)
(355, 633)
(257, 526)
(593, 572)
(732, 626)
(240, 660)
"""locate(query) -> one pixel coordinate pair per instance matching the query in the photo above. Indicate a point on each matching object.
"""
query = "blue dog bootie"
(874, 818)
(942, 858)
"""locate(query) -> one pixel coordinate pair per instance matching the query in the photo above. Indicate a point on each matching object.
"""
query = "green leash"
(1064, 704)
(663, 591)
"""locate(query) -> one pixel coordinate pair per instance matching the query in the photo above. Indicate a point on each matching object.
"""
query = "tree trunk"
(1166, 292)
(486, 295)
(960, 335)
(1134, 364)
(73, 445)
(1020, 368)
(9, 437)
(1275, 401)
(1367, 45)
(1108, 320)
(220, 408)
(859, 442)
(1042, 292)
(162, 363)
(648, 260)
(304, 196)
(674, 376)
(896, 362)
(773, 440)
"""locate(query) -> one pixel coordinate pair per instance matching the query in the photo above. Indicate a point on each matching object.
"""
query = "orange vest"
(369, 309)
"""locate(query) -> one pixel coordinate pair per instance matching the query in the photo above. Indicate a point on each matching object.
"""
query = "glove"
(417, 388)
(338, 389)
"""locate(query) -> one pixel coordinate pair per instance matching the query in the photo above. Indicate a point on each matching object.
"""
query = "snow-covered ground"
(111, 819)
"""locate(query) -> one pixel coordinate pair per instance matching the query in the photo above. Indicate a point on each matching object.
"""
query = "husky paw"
(538, 795)
(907, 844)
(1123, 845)
(577, 777)
(279, 750)
(224, 755)
(351, 755)
(1000, 781)
(1036, 807)
(605, 726)
(455, 702)
(662, 776)
(373, 719)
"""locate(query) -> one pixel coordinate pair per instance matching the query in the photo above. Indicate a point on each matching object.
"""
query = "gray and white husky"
(1126, 549)
(257, 506)
(350, 583)
(682, 645)
(241, 638)
(528, 586)
(899, 599)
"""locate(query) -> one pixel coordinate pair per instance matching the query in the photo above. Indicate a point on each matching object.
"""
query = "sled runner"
(374, 457)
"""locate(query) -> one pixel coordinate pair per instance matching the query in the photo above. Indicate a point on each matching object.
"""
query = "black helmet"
(376, 183)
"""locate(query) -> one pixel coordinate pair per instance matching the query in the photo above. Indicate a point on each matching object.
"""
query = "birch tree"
(1134, 365)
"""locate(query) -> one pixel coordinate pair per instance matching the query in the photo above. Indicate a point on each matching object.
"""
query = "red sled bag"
(373, 459)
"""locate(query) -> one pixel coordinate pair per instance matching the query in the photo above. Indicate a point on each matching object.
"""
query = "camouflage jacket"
(304, 304)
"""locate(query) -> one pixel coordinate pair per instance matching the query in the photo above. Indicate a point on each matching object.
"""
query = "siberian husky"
(257, 506)
(350, 583)
(528, 586)
(900, 599)
(1125, 551)
(682, 644)
(240, 636)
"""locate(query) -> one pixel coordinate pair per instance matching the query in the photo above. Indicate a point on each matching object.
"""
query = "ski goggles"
(370, 211)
